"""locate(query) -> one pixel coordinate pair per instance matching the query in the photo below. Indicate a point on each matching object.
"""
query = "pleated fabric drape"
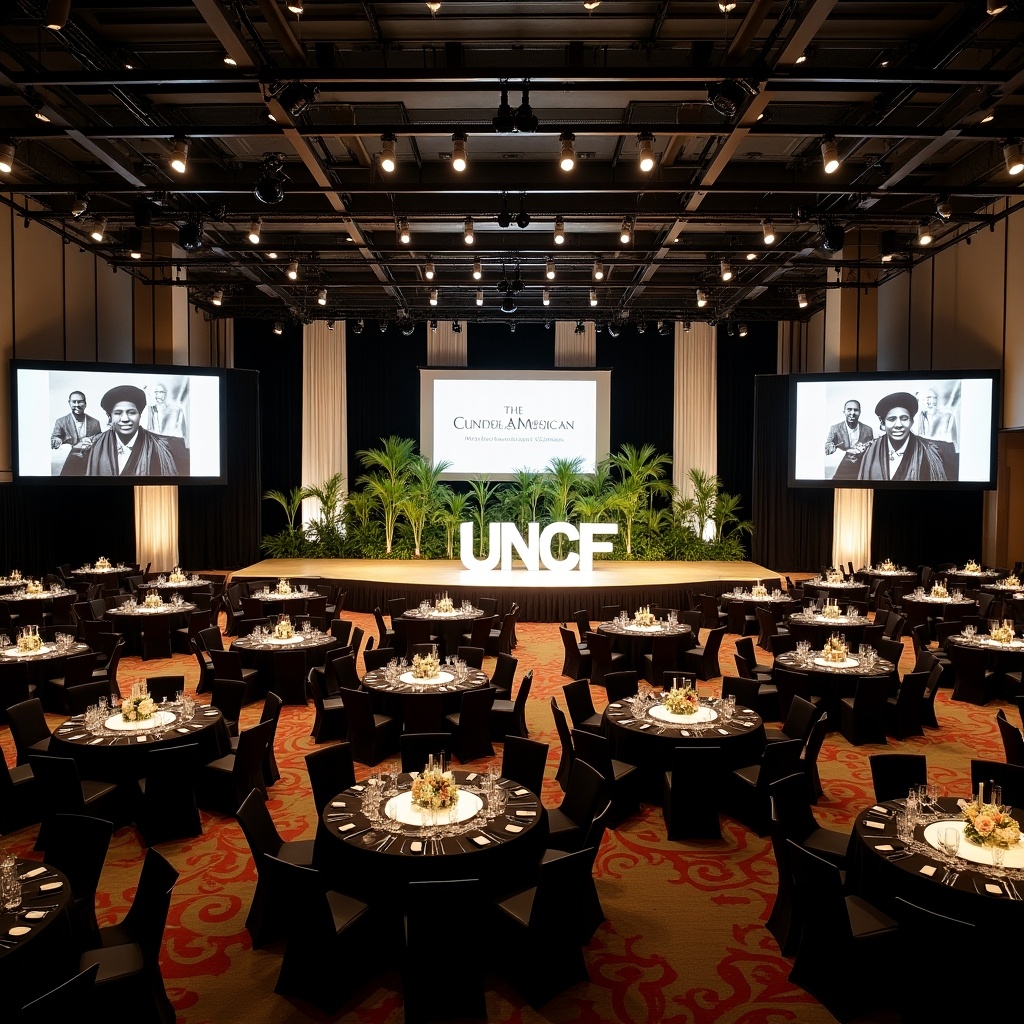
(851, 526)
(572, 349)
(446, 346)
(324, 421)
(156, 527)
(695, 414)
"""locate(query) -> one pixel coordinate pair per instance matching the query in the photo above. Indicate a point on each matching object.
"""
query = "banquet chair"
(373, 737)
(1013, 741)
(227, 696)
(508, 718)
(84, 696)
(903, 711)
(228, 665)
(784, 920)
(271, 712)
(156, 637)
(809, 757)
(329, 935)
(610, 611)
(843, 941)
(798, 724)
(78, 670)
(664, 654)
(249, 626)
(112, 648)
(196, 621)
(470, 725)
(566, 755)
(762, 696)
(862, 716)
(77, 844)
(744, 648)
(416, 748)
(576, 659)
(585, 794)
(75, 997)
(386, 637)
(539, 951)
(524, 760)
(479, 632)
(63, 791)
(744, 690)
(974, 681)
(379, 657)
(503, 676)
(781, 643)
(894, 626)
(290, 677)
(790, 683)
(473, 657)
(271, 909)
(892, 775)
(711, 613)
(692, 617)
(211, 639)
(704, 660)
(747, 788)
(620, 685)
(233, 613)
(202, 598)
(931, 690)
(19, 797)
(621, 778)
(686, 818)
(224, 783)
(499, 641)
(252, 608)
(741, 622)
(767, 628)
(791, 806)
(168, 810)
(206, 670)
(408, 633)
(60, 615)
(316, 609)
(396, 608)
(1010, 777)
(582, 619)
(29, 730)
(341, 630)
(422, 712)
(602, 658)
(129, 957)
(581, 707)
(331, 770)
(165, 687)
(345, 671)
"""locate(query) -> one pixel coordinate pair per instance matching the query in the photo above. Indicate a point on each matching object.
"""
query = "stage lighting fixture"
(834, 237)
(567, 158)
(598, 270)
(580, 328)
(526, 120)
(179, 155)
(330, 325)
(467, 231)
(702, 298)
(726, 270)
(279, 328)
(559, 231)
(135, 243)
(459, 157)
(428, 270)
(664, 328)
(229, 60)
(517, 284)
(433, 326)
(357, 327)
(190, 234)
(296, 97)
(433, 296)
(254, 230)
(626, 231)
(523, 218)
(218, 297)
(295, 6)
(613, 330)
(382, 326)
(456, 327)
(504, 122)
(829, 155)
(751, 256)
(79, 206)
(593, 296)
(801, 299)
(269, 187)
(742, 329)
(6, 156)
(1012, 155)
(591, 5)
(686, 326)
(404, 234)
(508, 303)
(512, 326)
(924, 234)
(409, 328)
(546, 297)
(641, 326)
(995, 7)
(271, 255)
(321, 297)
(292, 271)
(549, 270)
(478, 270)
(725, 8)
(768, 230)
(726, 97)
(943, 208)
(57, 12)
(479, 296)
(387, 153)
(434, 6)
(505, 217)
(646, 143)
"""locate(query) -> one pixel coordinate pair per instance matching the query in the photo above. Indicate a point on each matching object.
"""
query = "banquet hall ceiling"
(905, 89)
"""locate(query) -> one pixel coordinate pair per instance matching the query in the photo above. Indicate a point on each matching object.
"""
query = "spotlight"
(428, 270)
(726, 97)
(517, 284)
(456, 327)
(295, 6)
(504, 121)
(829, 155)
(924, 234)
(768, 230)
(409, 328)
(834, 237)
(559, 231)
(613, 330)
(292, 271)
(1012, 154)
(271, 255)
(702, 298)
(664, 328)
(179, 155)
(433, 296)
(459, 158)
(229, 60)
(580, 328)
(646, 142)
(467, 231)
(591, 5)
(726, 270)
(725, 8)
(567, 159)
(296, 97)
(479, 296)
(478, 270)
(508, 303)
(802, 57)
(598, 270)
(6, 156)
(546, 297)
(526, 120)
(730, 329)
(593, 296)
(742, 330)
(992, 7)
(801, 299)
(330, 325)
(387, 153)
(505, 217)
(943, 208)
(321, 297)
(404, 235)
(549, 270)
(512, 326)
(269, 187)
(98, 229)
(641, 326)
(433, 326)
(135, 243)
(626, 231)
(357, 327)
(686, 326)
(218, 297)
(57, 12)
(382, 326)
(523, 218)
(988, 116)
(254, 230)
(279, 328)
(79, 206)
(751, 256)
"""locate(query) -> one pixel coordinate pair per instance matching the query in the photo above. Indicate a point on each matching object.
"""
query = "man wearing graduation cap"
(898, 453)
(128, 449)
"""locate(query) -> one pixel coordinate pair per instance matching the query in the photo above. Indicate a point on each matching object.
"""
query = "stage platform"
(543, 596)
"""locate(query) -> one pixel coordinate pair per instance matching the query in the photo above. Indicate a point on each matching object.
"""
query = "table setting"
(759, 595)
(644, 622)
(28, 645)
(283, 637)
(443, 607)
(425, 674)
(1000, 637)
(817, 626)
(284, 591)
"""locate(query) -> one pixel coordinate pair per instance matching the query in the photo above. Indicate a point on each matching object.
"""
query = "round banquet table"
(962, 578)
(1002, 658)
(261, 653)
(376, 862)
(131, 622)
(391, 698)
(896, 575)
(111, 576)
(920, 608)
(274, 603)
(16, 595)
(818, 628)
(883, 867)
(36, 961)
(448, 627)
(832, 681)
(120, 755)
(648, 741)
(635, 641)
(848, 590)
(20, 670)
(193, 583)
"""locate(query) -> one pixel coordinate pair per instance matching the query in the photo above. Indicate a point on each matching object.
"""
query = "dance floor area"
(685, 937)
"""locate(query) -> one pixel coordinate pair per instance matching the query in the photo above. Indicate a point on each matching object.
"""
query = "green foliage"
(326, 533)
(291, 541)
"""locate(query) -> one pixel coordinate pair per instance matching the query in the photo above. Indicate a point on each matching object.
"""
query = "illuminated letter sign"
(535, 550)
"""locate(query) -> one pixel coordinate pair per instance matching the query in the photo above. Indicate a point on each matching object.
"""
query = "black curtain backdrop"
(925, 527)
(219, 526)
(792, 526)
(740, 361)
(275, 423)
(495, 347)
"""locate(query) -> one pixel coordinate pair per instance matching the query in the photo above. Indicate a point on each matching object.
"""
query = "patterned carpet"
(685, 939)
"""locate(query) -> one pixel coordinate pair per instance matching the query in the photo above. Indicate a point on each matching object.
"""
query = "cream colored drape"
(156, 528)
(851, 526)
(324, 429)
(572, 349)
(445, 346)
(695, 423)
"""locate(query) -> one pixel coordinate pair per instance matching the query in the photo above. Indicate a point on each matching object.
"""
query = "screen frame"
(923, 376)
(602, 376)
(147, 369)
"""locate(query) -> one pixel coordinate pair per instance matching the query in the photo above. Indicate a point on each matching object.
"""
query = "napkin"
(20, 930)
(51, 886)
(874, 824)
(471, 776)
(646, 725)
(747, 725)
(526, 814)
(684, 732)
(338, 803)
(347, 827)
(513, 828)
(77, 736)
(879, 809)
(481, 840)
(885, 847)
(92, 743)
(32, 873)
(615, 705)
(182, 730)
(995, 890)
(35, 915)
(416, 846)
(520, 792)
(357, 789)
(928, 869)
(724, 732)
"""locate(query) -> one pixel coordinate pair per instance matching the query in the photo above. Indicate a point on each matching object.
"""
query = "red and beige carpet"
(685, 940)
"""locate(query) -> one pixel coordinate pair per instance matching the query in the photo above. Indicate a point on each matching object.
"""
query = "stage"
(543, 596)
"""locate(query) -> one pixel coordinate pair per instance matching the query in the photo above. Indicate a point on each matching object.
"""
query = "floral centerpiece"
(425, 666)
(831, 610)
(445, 605)
(887, 566)
(834, 576)
(102, 562)
(152, 600)
(972, 566)
(176, 575)
(139, 706)
(644, 617)
(283, 587)
(284, 629)
(434, 789)
(1011, 581)
(682, 702)
(29, 639)
(759, 590)
(988, 825)
(15, 575)
(1002, 634)
(835, 649)
(939, 590)
(33, 587)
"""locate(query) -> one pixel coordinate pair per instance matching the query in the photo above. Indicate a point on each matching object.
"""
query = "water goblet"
(903, 830)
(998, 856)
(951, 844)
(934, 792)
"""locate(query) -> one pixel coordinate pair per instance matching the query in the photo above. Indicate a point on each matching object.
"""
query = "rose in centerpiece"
(835, 649)
(29, 639)
(972, 566)
(444, 605)
(176, 575)
(283, 587)
(1001, 634)
(284, 629)
(643, 617)
(139, 706)
(831, 610)
(682, 702)
(988, 824)
(425, 666)
(153, 600)
(434, 789)
(939, 590)
(33, 587)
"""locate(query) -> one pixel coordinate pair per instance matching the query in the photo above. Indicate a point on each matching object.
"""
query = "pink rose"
(984, 823)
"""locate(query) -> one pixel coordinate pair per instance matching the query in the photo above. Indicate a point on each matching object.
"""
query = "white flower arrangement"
(1011, 581)
(139, 706)
(644, 617)
(972, 566)
(682, 702)
(444, 605)
(434, 789)
(835, 649)
(988, 825)
(831, 610)
(102, 562)
(33, 587)
(425, 666)
(939, 590)
(176, 575)
(1002, 634)
(29, 639)
(834, 576)
(284, 629)
(283, 587)
(153, 600)
(887, 566)
(759, 590)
